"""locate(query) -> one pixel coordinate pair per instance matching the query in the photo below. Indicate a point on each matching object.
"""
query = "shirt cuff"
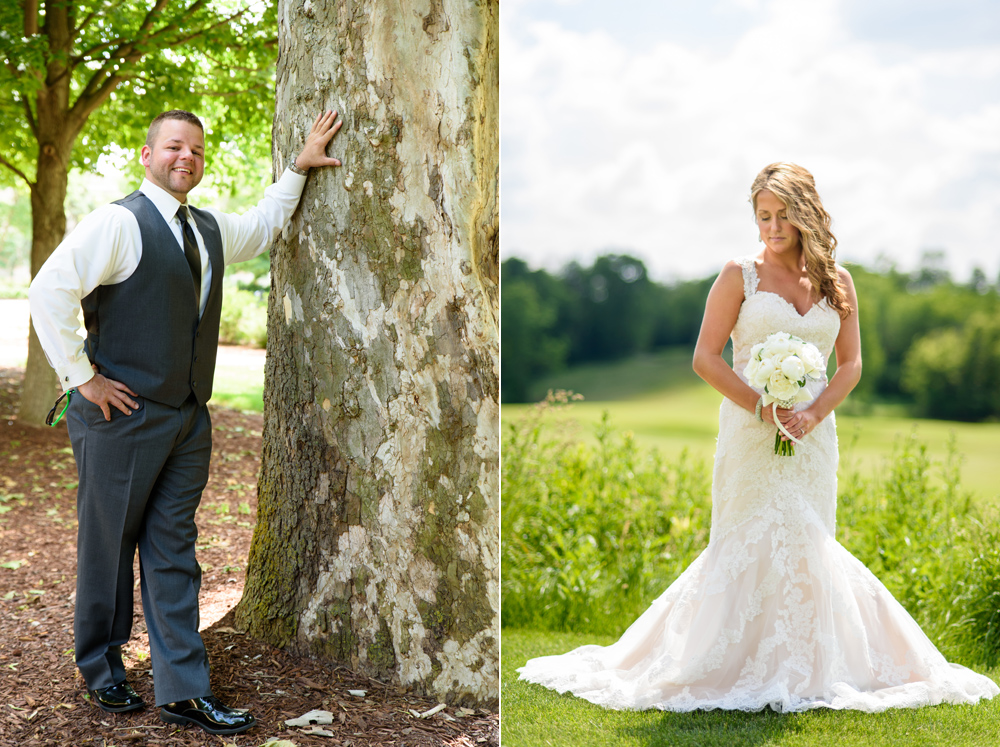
(75, 373)
(292, 182)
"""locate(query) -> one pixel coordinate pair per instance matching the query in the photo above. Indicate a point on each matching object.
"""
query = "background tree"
(377, 537)
(534, 337)
(66, 60)
(912, 324)
(617, 308)
(954, 373)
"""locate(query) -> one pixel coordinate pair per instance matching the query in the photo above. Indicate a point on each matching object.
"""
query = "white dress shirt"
(105, 248)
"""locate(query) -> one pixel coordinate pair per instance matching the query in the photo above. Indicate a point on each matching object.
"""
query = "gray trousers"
(141, 478)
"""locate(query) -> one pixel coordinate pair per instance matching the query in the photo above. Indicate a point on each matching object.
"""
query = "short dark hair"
(180, 114)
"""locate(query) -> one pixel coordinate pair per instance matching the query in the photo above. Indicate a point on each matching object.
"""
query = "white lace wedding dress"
(774, 612)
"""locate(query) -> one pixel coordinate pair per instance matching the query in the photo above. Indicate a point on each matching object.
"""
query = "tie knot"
(182, 214)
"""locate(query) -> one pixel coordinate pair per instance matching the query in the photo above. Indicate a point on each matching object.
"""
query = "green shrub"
(244, 318)
(590, 535)
(932, 547)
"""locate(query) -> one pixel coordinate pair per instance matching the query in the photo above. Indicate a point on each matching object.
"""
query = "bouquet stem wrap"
(783, 448)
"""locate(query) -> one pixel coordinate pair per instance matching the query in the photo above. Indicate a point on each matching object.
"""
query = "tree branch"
(243, 68)
(96, 13)
(85, 22)
(187, 14)
(103, 81)
(12, 167)
(97, 49)
(29, 115)
(30, 17)
(84, 107)
(200, 32)
(224, 94)
(57, 26)
(125, 47)
(125, 51)
(147, 22)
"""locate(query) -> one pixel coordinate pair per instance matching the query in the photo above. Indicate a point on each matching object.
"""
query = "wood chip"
(431, 711)
(312, 717)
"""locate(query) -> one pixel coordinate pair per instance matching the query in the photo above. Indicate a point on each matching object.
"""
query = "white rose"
(793, 368)
(755, 350)
(813, 360)
(779, 343)
(764, 371)
(750, 371)
(781, 388)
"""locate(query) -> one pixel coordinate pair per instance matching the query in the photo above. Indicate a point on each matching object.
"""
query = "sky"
(638, 127)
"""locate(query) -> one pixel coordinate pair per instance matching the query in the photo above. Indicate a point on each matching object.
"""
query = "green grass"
(532, 716)
(621, 380)
(240, 384)
(661, 401)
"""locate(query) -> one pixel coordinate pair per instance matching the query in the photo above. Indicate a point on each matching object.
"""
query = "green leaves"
(124, 64)
(591, 534)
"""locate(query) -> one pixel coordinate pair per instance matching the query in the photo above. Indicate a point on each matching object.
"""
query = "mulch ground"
(42, 696)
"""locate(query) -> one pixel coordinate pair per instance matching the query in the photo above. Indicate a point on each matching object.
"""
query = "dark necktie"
(191, 253)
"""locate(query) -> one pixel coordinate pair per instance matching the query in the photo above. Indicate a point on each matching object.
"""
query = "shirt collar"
(162, 200)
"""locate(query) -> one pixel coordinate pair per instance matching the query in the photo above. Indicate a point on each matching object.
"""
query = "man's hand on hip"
(105, 392)
(322, 132)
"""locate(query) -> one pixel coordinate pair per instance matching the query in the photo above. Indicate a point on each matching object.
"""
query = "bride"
(774, 612)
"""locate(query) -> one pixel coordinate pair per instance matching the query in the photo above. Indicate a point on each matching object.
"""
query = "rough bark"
(56, 134)
(377, 541)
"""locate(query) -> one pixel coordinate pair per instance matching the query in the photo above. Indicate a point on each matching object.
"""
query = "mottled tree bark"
(48, 226)
(56, 132)
(377, 541)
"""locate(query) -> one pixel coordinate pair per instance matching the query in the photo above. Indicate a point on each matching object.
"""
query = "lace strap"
(749, 267)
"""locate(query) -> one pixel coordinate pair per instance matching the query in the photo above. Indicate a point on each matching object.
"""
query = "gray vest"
(145, 331)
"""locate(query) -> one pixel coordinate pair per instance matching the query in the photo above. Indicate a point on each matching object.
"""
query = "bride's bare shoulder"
(729, 284)
(732, 269)
(731, 275)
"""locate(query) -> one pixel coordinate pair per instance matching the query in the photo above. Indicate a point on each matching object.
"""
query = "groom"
(147, 271)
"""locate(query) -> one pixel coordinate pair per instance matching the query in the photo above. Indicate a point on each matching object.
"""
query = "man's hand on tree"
(322, 132)
(105, 392)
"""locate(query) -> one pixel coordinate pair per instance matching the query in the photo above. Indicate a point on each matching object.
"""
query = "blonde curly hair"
(796, 188)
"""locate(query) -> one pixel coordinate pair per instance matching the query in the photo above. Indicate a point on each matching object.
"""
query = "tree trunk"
(377, 541)
(48, 226)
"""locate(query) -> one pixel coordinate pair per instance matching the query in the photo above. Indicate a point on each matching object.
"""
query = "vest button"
(194, 383)
(196, 357)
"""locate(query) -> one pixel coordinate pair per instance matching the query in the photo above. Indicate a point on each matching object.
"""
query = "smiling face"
(772, 220)
(176, 159)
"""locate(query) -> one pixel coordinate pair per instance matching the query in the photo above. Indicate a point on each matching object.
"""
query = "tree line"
(928, 341)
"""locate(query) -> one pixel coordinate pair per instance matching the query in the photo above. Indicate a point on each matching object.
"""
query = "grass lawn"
(239, 382)
(660, 400)
(532, 716)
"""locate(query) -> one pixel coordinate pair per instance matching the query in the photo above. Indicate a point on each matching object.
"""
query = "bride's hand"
(767, 415)
(800, 424)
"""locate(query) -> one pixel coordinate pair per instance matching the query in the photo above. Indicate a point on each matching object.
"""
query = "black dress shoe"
(117, 698)
(209, 714)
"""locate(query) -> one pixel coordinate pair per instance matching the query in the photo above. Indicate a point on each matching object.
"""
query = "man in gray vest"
(147, 271)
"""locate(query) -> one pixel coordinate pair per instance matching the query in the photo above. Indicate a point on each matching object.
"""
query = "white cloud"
(652, 147)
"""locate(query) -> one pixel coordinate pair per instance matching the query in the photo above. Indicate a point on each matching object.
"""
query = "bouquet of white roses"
(781, 365)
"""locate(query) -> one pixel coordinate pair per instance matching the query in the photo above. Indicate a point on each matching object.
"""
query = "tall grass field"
(663, 403)
(605, 503)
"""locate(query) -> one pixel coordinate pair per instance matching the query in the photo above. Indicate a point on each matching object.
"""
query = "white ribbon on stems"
(781, 426)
